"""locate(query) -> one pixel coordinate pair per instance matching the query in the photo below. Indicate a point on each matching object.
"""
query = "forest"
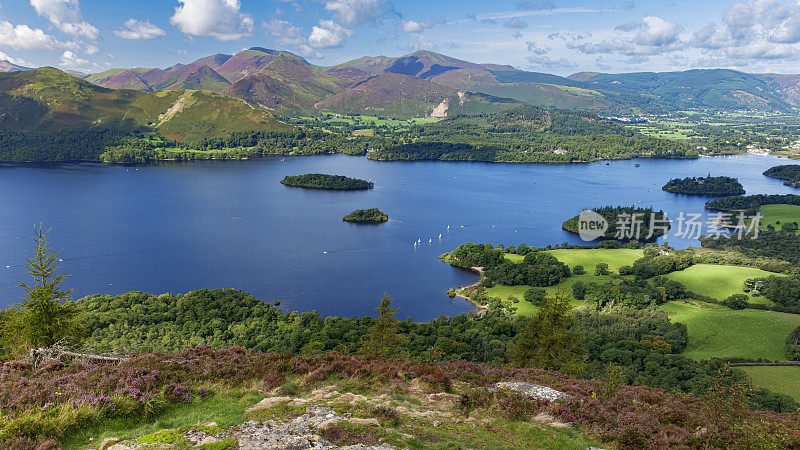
(769, 244)
(635, 339)
(627, 223)
(244, 145)
(529, 134)
(538, 269)
(324, 181)
(712, 186)
(751, 203)
(372, 215)
(790, 173)
(67, 145)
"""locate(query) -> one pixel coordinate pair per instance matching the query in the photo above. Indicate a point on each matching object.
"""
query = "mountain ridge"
(281, 81)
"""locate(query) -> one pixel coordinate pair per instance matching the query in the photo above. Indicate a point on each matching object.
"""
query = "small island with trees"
(323, 181)
(711, 186)
(626, 223)
(790, 173)
(372, 215)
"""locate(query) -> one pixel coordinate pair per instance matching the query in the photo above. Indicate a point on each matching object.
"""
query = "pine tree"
(383, 340)
(44, 317)
(547, 342)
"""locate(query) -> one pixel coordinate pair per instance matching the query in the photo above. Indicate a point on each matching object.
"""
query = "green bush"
(579, 290)
(736, 301)
(578, 270)
(535, 296)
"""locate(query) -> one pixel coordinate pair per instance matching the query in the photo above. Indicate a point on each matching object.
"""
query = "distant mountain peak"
(8, 66)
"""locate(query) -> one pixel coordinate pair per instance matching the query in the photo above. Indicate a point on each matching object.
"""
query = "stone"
(108, 442)
(209, 440)
(532, 390)
(268, 402)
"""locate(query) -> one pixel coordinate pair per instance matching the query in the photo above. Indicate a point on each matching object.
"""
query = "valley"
(256, 250)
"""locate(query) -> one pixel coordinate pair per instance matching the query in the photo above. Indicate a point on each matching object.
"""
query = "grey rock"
(531, 390)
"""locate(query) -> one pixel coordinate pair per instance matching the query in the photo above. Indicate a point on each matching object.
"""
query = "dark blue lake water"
(175, 228)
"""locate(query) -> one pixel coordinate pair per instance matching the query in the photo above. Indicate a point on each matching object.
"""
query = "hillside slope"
(287, 83)
(46, 114)
(407, 96)
(713, 89)
(8, 66)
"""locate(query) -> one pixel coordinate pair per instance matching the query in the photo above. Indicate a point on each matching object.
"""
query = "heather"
(633, 338)
(54, 400)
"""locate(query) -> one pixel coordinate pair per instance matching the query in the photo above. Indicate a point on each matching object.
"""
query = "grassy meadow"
(718, 281)
(588, 258)
(776, 215)
(717, 331)
(783, 380)
(714, 330)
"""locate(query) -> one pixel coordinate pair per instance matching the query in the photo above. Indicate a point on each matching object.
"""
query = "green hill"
(39, 104)
(720, 89)
(407, 96)
(529, 134)
(287, 83)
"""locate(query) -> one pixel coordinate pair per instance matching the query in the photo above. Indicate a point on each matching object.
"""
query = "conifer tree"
(383, 340)
(44, 317)
(547, 342)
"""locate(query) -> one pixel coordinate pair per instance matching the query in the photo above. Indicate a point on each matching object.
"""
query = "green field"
(717, 281)
(777, 214)
(716, 331)
(588, 258)
(783, 380)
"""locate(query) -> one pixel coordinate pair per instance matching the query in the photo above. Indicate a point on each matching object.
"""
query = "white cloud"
(421, 43)
(358, 12)
(516, 23)
(66, 16)
(657, 32)
(23, 37)
(535, 48)
(221, 19)
(710, 37)
(290, 36)
(412, 26)
(545, 62)
(134, 29)
(655, 36)
(12, 60)
(762, 50)
(753, 30)
(328, 34)
(70, 60)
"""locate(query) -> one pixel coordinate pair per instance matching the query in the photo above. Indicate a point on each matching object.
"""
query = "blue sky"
(555, 36)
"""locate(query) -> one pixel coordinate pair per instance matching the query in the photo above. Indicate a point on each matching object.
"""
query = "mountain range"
(286, 83)
(220, 93)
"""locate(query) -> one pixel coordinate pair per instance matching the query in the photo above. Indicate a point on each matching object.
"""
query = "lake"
(179, 227)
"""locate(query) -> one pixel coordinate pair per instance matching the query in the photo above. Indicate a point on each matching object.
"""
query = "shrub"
(290, 388)
(579, 290)
(535, 296)
(578, 270)
(601, 269)
(626, 270)
(736, 301)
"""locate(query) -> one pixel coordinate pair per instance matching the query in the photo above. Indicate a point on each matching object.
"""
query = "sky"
(554, 36)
